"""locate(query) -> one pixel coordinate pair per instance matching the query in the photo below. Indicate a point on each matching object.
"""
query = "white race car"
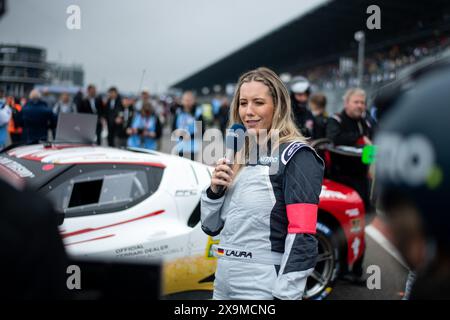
(136, 203)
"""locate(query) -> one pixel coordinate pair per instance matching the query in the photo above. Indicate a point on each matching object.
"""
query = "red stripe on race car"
(89, 240)
(33, 157)
(302, 217)
(82, 231)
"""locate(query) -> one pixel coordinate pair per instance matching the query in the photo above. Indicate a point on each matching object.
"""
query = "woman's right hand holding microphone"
(221, 176)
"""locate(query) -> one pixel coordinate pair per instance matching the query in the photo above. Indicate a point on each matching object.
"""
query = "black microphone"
(234, 141)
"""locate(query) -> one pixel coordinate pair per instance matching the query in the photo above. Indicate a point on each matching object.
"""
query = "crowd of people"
(380, 66)
(122, 120)
(127, 121)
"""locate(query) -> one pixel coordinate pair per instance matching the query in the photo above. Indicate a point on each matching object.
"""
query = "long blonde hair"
(282, 118)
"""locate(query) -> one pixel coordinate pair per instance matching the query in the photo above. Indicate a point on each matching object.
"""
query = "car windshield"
(88, 191)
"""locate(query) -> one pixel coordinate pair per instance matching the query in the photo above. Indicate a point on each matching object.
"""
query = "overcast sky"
(170, 39)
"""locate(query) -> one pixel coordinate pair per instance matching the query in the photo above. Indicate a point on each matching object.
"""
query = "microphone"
(234, 141)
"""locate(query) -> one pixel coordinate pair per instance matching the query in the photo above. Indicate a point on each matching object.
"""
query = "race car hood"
(33, 174)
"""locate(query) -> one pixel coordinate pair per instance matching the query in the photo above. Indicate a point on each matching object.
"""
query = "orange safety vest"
(12, 129)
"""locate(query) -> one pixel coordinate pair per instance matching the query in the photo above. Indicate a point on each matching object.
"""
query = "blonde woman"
(267, 212)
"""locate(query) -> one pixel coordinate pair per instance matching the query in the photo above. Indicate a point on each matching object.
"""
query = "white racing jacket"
(268, 217)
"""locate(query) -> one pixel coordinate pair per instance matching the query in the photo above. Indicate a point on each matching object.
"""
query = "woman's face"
(256, 106)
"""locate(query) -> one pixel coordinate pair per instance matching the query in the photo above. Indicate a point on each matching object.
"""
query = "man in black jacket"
(352, 126)
(111, 113)
(124, 121)
(36, 118)
(94, 105)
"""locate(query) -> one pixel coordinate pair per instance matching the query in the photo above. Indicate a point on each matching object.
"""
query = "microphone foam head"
(235, 137)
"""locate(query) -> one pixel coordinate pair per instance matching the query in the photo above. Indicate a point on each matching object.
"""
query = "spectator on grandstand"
(111, 113)
(145, 129)
(64, 105)
(382, 66)
(300, 89)
(123, 122)
(318, 104)
(36, 118)
(185, 120)
(14, 129)
(93, 104)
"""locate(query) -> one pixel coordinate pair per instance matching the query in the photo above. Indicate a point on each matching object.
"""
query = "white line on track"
(379, 238)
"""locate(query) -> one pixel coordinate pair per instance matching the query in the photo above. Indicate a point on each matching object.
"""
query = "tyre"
(320, 284)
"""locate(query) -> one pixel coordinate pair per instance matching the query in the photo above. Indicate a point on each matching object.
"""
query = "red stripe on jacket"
(302, 217)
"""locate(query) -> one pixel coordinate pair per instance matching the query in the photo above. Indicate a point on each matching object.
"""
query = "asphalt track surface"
(393, 277)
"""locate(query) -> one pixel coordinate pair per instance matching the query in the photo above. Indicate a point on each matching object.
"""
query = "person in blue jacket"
(185, 120)
(5, 116)
(145, 129)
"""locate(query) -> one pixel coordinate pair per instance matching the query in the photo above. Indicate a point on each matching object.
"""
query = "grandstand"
(315, 43)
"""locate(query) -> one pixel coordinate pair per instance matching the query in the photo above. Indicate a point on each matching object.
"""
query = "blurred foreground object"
(413, 168)
(35, 265)
(33, 256)
(118, 279)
